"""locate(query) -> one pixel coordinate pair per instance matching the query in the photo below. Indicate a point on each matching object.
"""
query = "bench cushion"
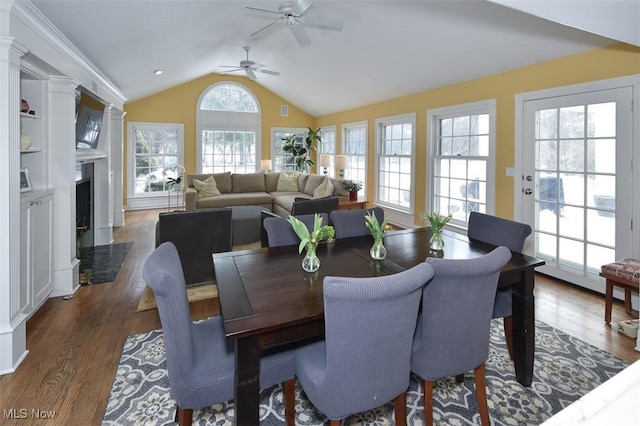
(626, 269)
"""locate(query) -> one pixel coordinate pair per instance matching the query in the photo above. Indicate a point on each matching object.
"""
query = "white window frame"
(274, 146)
(349, 173)
(381, 123)
(137, 200)
(328, 148)
(228, 121)
(473, 108)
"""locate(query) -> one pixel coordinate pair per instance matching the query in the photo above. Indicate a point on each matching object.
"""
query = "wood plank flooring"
(75, 344)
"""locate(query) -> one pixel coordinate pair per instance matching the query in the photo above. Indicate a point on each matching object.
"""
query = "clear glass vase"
(310, 262)
(436, 242)
(378, 251)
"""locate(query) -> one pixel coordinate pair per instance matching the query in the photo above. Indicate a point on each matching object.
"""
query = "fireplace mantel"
(88, 155)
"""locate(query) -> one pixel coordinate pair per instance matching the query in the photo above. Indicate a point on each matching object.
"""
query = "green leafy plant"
(178, 171)
(320, 232)
(301, 150)
(436, 221)
(351, 185)
(377, 229)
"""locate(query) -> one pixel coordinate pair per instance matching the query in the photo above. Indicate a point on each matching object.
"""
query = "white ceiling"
(387, 48)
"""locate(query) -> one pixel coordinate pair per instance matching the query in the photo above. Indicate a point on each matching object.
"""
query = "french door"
(576, 181)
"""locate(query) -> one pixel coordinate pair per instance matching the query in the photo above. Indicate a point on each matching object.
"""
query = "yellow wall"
(614, 61)
(178, 105)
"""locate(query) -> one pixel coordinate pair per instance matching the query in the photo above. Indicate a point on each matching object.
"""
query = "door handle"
(528, 191)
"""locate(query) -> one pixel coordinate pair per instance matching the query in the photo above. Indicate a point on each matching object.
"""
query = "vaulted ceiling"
(386, 49)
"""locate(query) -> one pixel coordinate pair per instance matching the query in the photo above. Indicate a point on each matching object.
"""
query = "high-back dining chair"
(280, 232)
(365, 358)
(452, 336)
(302, 206)
(196, 234)
(351, 223)
(500, 232)
(200, 360)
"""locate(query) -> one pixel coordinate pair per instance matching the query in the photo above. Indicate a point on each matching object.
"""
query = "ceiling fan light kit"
(292, 14)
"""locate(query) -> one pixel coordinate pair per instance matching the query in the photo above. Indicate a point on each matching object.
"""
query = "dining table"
(268, 301)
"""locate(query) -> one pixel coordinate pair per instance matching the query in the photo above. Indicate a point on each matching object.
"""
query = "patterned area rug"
(565, 369)
(105, 261)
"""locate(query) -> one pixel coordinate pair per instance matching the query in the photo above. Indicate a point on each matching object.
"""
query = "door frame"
(614, 83)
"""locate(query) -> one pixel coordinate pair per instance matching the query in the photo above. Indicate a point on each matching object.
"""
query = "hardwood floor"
(75, 344)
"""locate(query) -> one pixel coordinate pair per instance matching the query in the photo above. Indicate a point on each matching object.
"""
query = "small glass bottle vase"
(378, 251)
(435, 242)
(310, 262)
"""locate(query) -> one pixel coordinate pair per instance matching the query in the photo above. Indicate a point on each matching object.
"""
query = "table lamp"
(342, 162)
(325, 162)
(266, 165)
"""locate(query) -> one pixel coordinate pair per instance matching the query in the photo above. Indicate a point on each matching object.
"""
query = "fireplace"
(84, 207)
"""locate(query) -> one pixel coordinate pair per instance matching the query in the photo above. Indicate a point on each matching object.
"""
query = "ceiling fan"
(250, 67)
(292, 14)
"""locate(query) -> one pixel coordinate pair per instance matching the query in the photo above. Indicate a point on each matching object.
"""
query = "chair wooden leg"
(481, 395)
(627, 300)
(400, 408)
(508, 334)
(289, 402)
(335, 423)
(184, 416)
(428, 403)
(608, 300)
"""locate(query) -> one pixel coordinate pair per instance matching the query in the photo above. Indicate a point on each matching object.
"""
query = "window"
(88, 128)
(355, 147)
(462, 150)
(280, 160)
(156, 153)
(328, 147)
(229, 127)
(395, 136)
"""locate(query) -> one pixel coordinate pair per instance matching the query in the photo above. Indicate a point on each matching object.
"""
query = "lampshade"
(342, 161)
(325, 160)
(266, 164)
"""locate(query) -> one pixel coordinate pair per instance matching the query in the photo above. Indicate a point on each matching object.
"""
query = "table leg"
(247, 381)
(524, 327)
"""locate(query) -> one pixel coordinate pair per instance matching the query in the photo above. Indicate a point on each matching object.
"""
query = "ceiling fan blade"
(333, 24)
(266, 29)
(301, 6)
(269, 72)
(250, 74)
(301, 35)
(230, 71)
(229, 66)
(262, 10)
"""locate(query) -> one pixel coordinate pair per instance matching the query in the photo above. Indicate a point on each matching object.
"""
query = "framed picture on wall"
(25, 182)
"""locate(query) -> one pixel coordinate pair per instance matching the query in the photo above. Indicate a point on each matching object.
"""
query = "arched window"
(229, 129)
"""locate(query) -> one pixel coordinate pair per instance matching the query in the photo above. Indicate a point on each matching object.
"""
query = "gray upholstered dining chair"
(452, 336)
(200, 360)
(280, 233)
(196, 234)
(364, 360)
(500, 232)
(351, 223)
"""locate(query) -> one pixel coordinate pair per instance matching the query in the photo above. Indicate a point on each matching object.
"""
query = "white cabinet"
(36, 254)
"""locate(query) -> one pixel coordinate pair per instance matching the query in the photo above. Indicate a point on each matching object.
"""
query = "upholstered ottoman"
(625, 274)
(245, 224)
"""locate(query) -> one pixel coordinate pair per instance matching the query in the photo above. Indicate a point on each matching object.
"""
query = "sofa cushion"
(302, 181)
(325, 189)
(285, 200)
(223, 180)
(247, 182)
(206, 188)
(262, 199)
(337, 188)
(313, 181)
(287, 182)
(271, 181)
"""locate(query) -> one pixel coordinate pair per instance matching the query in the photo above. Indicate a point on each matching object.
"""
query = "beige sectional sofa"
(255, 189)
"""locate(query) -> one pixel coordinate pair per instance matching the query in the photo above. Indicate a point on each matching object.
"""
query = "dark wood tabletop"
(267, 299)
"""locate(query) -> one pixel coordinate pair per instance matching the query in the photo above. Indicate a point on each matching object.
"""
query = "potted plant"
(353, 187)
(300, 150)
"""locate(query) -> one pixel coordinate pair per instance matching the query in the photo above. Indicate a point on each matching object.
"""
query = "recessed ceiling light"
(157, 72)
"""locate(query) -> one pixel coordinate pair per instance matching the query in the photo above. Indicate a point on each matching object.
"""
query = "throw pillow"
(287, 182)
(325, 189)
(206, 188)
